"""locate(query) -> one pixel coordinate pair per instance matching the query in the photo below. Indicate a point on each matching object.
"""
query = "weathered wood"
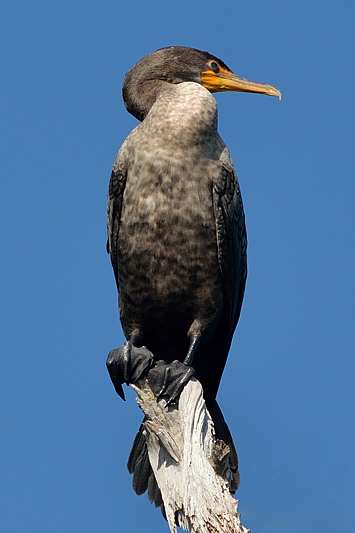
(190, 465)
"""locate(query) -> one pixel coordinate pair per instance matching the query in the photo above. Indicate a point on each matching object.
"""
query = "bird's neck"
(184, 114)
(139, 96)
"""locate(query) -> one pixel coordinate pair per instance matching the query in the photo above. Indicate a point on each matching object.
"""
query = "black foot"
(127, 364)
(168, 380)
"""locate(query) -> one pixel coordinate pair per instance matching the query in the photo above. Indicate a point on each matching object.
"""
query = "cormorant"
(176, 234)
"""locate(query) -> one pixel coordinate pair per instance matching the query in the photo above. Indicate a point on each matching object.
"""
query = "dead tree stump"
(189, 464)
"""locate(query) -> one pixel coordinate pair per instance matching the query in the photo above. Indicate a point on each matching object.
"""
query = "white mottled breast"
(167, 242)
(184, 114)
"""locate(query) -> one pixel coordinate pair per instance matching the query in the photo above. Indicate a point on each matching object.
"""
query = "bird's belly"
(168, 252)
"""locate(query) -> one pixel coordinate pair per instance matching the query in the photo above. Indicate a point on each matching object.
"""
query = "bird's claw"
(167, 380)
(127, 364)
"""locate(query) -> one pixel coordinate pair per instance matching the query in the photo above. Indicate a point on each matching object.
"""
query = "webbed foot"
(127, 364)
(168, 380)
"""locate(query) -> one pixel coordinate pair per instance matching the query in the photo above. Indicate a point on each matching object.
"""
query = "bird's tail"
(143, 475)
(222, 433)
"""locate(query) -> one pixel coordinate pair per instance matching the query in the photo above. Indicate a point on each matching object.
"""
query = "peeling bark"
(190, 465)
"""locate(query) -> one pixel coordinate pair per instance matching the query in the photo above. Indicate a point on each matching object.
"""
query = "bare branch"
(190, 465)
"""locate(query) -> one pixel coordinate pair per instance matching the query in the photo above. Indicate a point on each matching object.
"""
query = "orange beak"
(225, 80)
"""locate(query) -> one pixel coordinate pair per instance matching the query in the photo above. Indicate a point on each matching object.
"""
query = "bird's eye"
(214, 66)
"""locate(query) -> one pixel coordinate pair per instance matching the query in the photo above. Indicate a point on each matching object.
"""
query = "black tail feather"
(223, 433)
(143, 475)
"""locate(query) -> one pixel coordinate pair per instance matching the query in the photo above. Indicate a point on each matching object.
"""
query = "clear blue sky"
(287, 391)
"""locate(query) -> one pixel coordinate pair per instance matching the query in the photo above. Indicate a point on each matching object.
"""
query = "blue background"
(287, 391)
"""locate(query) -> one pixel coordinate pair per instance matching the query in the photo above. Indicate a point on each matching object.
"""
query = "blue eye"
(214, 66)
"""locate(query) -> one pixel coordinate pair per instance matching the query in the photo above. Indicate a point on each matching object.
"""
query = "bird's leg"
(197, 328)
(128, 363)
(168, 380)
(195, 341)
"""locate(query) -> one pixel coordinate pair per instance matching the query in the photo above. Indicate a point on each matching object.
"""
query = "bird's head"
(178, 64)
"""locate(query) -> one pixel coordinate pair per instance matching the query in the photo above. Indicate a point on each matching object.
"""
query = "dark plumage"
(176, 230)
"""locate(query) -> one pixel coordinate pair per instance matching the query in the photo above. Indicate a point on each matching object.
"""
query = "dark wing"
(231, 241)
(114, 209)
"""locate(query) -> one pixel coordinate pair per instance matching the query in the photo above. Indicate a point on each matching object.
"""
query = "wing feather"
(114, 210)
(231, 240)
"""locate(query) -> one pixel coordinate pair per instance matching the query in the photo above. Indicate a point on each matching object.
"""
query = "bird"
(176, 235)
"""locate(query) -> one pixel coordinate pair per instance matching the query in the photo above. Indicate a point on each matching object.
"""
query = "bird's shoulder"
(125, 151)
(116, 189)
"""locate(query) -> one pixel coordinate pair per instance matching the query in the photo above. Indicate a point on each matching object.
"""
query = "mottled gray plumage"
(176, 230)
